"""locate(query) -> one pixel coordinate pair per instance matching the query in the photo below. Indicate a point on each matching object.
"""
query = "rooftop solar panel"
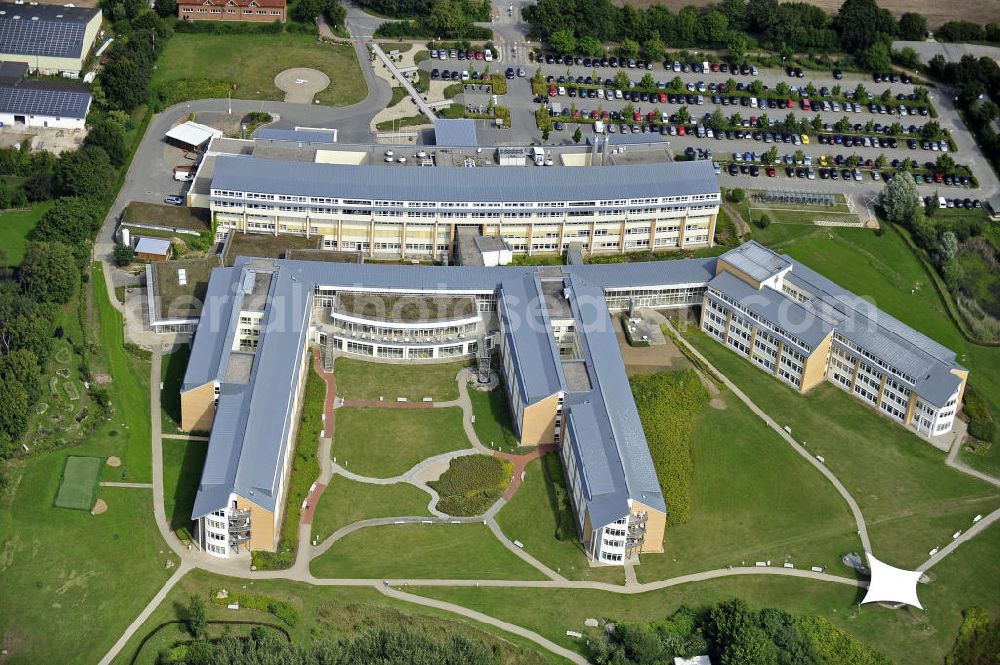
(44, 102)
(43, 30)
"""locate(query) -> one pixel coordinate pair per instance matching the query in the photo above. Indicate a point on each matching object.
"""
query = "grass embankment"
(384, 442)
(358, 379)
(182, 465)
(305, 470)
(194, 66)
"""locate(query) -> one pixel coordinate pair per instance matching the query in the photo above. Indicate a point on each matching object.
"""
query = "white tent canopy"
(892, 585)
(193, 134)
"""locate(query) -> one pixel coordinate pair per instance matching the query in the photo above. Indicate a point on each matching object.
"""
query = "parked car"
(174, 200)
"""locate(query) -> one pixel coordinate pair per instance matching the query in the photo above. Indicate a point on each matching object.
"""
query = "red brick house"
(261, 11)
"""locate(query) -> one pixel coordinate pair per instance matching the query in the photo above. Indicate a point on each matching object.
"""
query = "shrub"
(472, 484)
(764, 221)
(736, 195)
(981, 424)
(668, 403)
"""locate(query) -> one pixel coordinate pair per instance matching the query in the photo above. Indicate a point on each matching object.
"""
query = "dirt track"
(984, 11)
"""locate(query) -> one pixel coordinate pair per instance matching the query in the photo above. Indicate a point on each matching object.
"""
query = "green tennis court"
(78, 487)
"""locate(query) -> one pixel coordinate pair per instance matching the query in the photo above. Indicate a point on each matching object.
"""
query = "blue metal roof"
(459, 184)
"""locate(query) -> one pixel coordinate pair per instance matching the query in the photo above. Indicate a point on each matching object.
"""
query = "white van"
(538, 155)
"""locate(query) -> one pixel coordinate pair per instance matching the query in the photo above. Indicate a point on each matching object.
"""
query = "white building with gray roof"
(413, 211)
(562, 369)
(801, 327)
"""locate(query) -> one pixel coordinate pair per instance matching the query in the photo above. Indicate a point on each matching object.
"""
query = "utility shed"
(51, 39)
(152, 249)
(193, 135)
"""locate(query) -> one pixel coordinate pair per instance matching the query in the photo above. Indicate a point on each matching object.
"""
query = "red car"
(637, 116)
(680, 130)
(663, 98)
(790, 104)
(770, 172)
(715, 66)
(806, 106)
(479, 55)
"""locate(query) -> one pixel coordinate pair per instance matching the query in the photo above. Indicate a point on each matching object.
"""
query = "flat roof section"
(577, 377)
(238, 369)
(457, 132)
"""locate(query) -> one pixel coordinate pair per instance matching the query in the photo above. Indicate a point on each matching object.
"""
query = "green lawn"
(72, 582)
(172, 368)
(431, 551)
(14, 228)
(128, 390)
(182, 465)
(493, 423)
(753, 499)
(252, 61)
(326, 614)
(530, 517)
(909, 637)
(885, 269)
(78, 488)
(358, 379)
(911, 501)
(347, 501)
(386, 442)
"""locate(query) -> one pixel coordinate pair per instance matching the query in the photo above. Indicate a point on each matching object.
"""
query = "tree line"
(432, 19)
(861, 28)
(733, 633)
(371, 644)
(80, 183)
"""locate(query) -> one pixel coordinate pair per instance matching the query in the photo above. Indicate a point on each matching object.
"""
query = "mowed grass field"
(346, 501)
(78, 489)
(885, 270)
(14, 228)
(911, 501)
(252, 62)
(493, 423)
(429, 551)
(385, 442)
(753, 498)
(358, 379)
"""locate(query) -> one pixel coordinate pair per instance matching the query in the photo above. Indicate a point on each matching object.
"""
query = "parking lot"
(813, 124)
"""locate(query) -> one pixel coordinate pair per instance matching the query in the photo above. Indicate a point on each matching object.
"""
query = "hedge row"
(981, 424)
(471, 484)
(668, 403)
(283, 611)
(836, 645)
